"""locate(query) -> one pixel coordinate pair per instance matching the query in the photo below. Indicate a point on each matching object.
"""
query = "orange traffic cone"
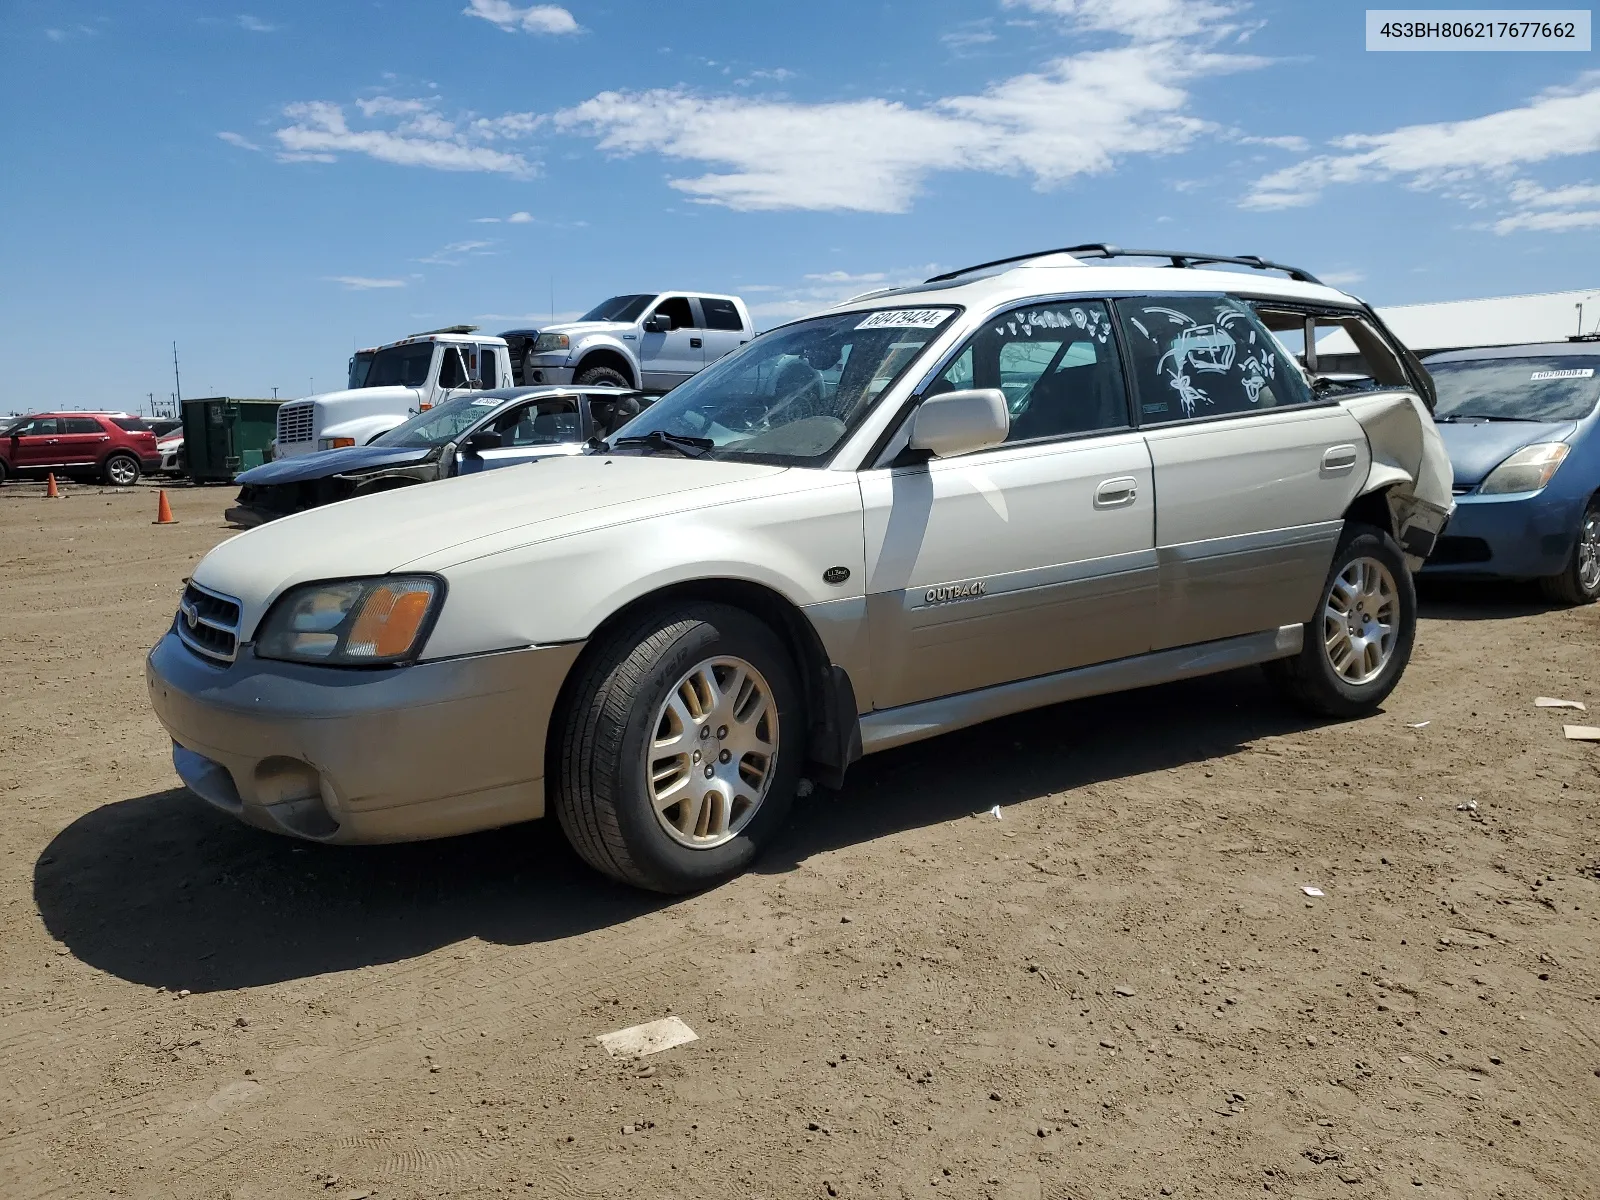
(51, 492)
(163, 511)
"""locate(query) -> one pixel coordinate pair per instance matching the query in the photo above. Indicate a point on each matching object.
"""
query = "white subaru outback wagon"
(1022, 483)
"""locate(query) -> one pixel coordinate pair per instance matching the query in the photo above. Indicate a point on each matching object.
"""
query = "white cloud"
(360, 283)
(846, 277)
(238, 139)
(1342, 278)
(418, 135)
(1077, 116)
(452, 254)
(1447, 154)
(1550, 210)
(520, 218)
(254, 24)
(1146, 20)
(486, 220)
(1288, 142)
(824, 289)
(541, 18)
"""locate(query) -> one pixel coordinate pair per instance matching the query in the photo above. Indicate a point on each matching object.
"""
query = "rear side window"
(1340, 351)
(721, 314)
(1205, 356)
(132, 424)
(80, 425)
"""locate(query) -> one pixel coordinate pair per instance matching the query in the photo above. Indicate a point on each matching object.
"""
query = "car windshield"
(618, 308)
(1558, 388)
(792, 395)
(402, 366)
(360, 364)
(442, 423)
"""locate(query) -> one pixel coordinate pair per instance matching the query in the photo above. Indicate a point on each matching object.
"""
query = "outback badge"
(949, 592)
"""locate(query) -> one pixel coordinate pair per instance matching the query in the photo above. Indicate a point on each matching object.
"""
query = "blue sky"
(271, 183)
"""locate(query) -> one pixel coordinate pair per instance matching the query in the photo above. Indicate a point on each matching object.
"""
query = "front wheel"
(681, 748)
(1579, 583)
(121, 470)
(1358, 644)
(603, 377)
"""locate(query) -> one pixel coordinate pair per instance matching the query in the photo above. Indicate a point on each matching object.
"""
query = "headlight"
(547, 342)
(353, 623)
(1528, 470)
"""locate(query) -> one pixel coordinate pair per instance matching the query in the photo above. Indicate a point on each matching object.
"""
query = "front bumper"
(547, 369)
(347, 756)
(1507, 537)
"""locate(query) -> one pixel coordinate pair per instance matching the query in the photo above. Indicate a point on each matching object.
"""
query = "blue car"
(475, 432)
(1521, 427)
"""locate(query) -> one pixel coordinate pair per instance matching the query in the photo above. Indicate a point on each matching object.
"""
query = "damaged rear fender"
(1410, 467)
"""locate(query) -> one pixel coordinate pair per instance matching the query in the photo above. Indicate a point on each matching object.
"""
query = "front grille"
(208, 623)
(296, 423)
(1454, 551)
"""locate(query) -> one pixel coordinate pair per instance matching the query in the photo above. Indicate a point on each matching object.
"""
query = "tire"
(603, 377)
(648, 679)
(2, 471)
(1579, 583)
(1369, 664)
(120, 470)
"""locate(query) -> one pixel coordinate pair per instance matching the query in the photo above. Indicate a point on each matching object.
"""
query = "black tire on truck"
(602, 377)
(681, 747)
(1357, 645)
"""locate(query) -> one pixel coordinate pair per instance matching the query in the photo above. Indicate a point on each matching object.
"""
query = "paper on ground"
(1312, 891)
(1582, 733)
(1552, 702)
(650, 1038)
(1419, 725)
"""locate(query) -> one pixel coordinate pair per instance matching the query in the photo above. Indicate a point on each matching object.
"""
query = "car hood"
(435, 525)
(578, 329)
(1478, 447)
(333, 462)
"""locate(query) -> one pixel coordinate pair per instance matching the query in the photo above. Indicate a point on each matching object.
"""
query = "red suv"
(114, 447)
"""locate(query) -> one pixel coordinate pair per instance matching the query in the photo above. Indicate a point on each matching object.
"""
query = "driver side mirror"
(657, 323)
(484, 439)
(960, 422)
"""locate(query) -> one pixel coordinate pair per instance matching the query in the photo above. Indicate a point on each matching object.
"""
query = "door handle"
(1336, 460)
(1117, 493)
(694, 343)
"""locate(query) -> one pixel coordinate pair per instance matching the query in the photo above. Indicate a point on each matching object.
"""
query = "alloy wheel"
(712, 750)
(122, 472)
(1589, 551)
(1360, 621)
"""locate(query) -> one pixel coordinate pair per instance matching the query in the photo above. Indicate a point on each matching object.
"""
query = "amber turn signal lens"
(390, 619)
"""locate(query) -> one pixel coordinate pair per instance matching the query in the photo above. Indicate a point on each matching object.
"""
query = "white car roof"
(1058, 274)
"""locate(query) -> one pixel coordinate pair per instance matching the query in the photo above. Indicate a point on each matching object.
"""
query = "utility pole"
(274, 393)
(152, 396)
(177, 395)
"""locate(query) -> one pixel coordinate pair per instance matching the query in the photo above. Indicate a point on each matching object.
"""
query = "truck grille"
(296, 423)
(208, 623)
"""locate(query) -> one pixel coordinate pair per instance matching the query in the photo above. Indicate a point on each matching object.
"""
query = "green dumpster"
(223, 436)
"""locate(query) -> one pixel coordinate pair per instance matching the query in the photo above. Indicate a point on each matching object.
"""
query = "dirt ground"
(1118, 989)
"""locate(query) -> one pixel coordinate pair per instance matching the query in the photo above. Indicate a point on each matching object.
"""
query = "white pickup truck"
(401, 378)
(652, 341)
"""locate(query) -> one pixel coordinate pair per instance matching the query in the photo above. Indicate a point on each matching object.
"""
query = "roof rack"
(1178, 258)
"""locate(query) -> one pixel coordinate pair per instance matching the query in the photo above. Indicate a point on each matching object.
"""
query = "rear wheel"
(1358, 644)
(1580, 582)
(603, 377)
(121, 470)
(681, 748)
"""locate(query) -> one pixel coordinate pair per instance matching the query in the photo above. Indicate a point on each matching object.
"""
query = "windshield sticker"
(905, 318)
(489, 403)
(1575, 373)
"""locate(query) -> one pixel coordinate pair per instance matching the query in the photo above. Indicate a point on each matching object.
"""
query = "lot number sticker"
(1576, 373)
(905, 318)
